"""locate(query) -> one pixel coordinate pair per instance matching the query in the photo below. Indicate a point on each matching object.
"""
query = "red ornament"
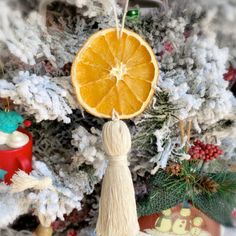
(27, 123)
(168, 47)
(205, 152)
(19, 158)
(58, 225)
(230, 75)
(234, 213)
(71, 232)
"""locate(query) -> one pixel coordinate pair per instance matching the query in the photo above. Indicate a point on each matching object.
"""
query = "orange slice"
(115, 74)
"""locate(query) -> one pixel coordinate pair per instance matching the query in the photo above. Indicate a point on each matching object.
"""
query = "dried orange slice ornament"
(112, 73)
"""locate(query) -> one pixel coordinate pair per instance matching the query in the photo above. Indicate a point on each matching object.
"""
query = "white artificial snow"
(7, 89)
(90, 151)
(11, 205)
(39, 96)
(52, 203)
(199, 91)
(27, 37)
(192, 74)
(23, 37)
(221, 13)
(65, 83)
(161, 135)
(11, 232)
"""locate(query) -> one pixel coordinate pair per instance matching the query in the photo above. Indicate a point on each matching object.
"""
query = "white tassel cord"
(21, 181)
(117, 210)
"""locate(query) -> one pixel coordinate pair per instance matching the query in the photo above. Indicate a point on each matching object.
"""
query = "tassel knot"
(116, 138)
(117, 161)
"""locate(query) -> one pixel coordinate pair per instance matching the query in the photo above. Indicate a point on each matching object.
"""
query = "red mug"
(16, 159)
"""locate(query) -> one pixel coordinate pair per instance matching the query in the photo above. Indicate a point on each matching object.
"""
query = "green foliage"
(219, 205)
(162, 194)
(158, 113)
(167, 191)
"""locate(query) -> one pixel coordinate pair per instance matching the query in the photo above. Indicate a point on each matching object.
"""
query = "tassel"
(117, 210)
(44, 228)
(21, 181)
(43, 231)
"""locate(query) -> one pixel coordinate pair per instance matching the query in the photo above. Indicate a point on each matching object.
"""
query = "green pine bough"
(154, 118)
(167, 191)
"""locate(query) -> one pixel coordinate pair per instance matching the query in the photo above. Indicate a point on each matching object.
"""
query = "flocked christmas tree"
(39, 40)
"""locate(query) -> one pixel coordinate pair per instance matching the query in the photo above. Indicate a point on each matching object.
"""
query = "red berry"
(168, 46)
(197, 143)
(71, 233)
(234, 213)
(204, 151)
(231, 74)
(27, 123)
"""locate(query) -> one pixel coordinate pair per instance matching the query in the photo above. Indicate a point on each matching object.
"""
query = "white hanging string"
(115, 115)
(120, 30)
(113, 2)
(124, 16)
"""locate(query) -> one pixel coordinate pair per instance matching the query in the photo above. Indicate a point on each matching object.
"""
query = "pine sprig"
(167, 191)
(217, 206)
(226, 182)
(158, 113)
(161, 195)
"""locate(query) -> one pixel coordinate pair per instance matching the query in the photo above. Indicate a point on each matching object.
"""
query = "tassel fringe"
(117, 210)
(21, 181)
